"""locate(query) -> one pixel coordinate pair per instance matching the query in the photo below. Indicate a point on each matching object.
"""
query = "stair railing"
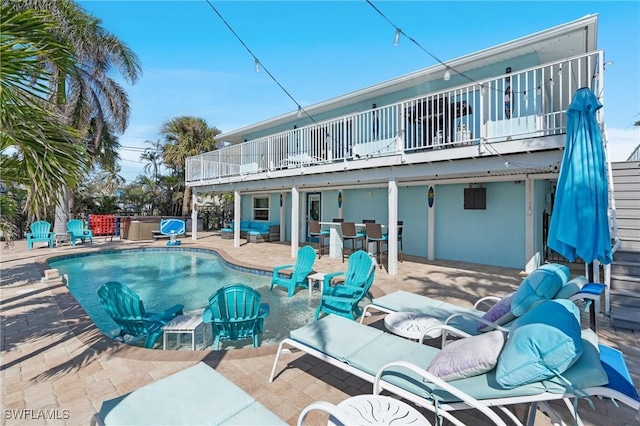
(613, 223)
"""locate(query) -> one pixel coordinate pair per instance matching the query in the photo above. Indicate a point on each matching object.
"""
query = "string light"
(449, 69)
(396, 39)
(257, 64)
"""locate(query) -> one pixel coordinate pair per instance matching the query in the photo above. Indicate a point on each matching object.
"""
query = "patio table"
(183, 324)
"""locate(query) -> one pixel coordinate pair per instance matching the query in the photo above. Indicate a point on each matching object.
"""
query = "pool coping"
(83, 328)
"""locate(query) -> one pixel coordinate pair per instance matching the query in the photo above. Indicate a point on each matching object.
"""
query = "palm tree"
(111, 178)
(38, 151)
(153, 156)
(89, 100)
(186, 136)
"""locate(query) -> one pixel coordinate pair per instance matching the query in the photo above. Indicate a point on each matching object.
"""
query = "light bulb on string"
(396, 39)
(447, 75)
(551, 82)
(299, 114)
(539, 90)
(257, 62)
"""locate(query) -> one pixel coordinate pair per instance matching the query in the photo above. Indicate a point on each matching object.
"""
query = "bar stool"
(374, 234)
(320, 234)
(349, 234)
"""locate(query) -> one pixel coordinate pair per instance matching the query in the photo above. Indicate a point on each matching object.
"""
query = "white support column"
(295, 221)
(236, 219)
(392, 229)
(529, 219)
(431, 225)
(282, 216)
(194, 216)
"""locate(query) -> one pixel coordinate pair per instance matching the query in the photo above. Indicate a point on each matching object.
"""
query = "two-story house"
(465, 153)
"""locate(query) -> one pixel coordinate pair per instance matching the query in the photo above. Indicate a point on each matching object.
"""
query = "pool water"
(165, 277)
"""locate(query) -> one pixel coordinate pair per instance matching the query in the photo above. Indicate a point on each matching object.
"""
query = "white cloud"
(622, 142)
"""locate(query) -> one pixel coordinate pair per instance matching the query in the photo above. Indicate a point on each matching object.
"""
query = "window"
(261, 208)
(475, 198)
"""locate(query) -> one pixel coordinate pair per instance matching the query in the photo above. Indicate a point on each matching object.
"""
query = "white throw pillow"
(468, 357)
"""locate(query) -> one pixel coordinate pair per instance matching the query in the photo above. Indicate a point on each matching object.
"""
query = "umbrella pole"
(595, 290)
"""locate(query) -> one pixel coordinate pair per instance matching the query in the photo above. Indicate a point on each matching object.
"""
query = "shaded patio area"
(55, 360)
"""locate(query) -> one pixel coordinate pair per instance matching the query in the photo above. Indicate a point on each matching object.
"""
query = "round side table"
(380, 410)
(411, 325)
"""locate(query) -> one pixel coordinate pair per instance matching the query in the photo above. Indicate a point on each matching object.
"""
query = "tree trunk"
(186, 201)
(62, 213)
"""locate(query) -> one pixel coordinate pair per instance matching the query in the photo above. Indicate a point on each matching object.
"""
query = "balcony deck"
(514, 113)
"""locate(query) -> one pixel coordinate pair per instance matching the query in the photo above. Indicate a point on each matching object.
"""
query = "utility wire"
(257, 61)
(448, 67)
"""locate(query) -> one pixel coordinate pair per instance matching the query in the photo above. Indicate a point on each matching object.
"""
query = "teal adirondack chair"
(302, 268)
(40, 233)
(127, 310)
(76, 231)
(343, 299)
(235, 313)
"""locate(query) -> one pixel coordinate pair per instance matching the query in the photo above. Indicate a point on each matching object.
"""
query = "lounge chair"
(127, 310)
(235, 313)
(550, 281)
(198, 395)
(343, 299)
(302, 268)
(75, 228)
(40, 233)
(399, 365)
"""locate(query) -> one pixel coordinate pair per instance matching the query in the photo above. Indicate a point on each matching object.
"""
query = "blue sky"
(193, 64)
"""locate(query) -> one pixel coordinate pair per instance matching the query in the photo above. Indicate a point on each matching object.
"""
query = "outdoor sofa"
(253, 231)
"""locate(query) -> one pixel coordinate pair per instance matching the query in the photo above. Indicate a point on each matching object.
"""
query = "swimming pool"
(163, 277)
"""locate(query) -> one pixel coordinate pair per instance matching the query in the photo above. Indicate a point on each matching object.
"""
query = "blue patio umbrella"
(579, 223)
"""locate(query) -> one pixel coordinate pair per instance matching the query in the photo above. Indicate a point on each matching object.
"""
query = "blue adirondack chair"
(40, 233)
(75, 228)
(127, 310)
(343, 299)
(235, 313)
(302, 268)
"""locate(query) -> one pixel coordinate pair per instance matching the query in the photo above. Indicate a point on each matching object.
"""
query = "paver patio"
(55, 362)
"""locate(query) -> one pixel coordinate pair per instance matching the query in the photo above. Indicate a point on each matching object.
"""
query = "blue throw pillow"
(541, 284)
(542, 343)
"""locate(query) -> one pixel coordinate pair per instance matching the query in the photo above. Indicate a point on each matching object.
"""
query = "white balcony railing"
(525, 104)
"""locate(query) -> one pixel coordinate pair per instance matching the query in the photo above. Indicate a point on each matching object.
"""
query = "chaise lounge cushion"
(468, 357)
(368, 349)
(196, 395)
(541, 284)
(542, 343)
(321, 334)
